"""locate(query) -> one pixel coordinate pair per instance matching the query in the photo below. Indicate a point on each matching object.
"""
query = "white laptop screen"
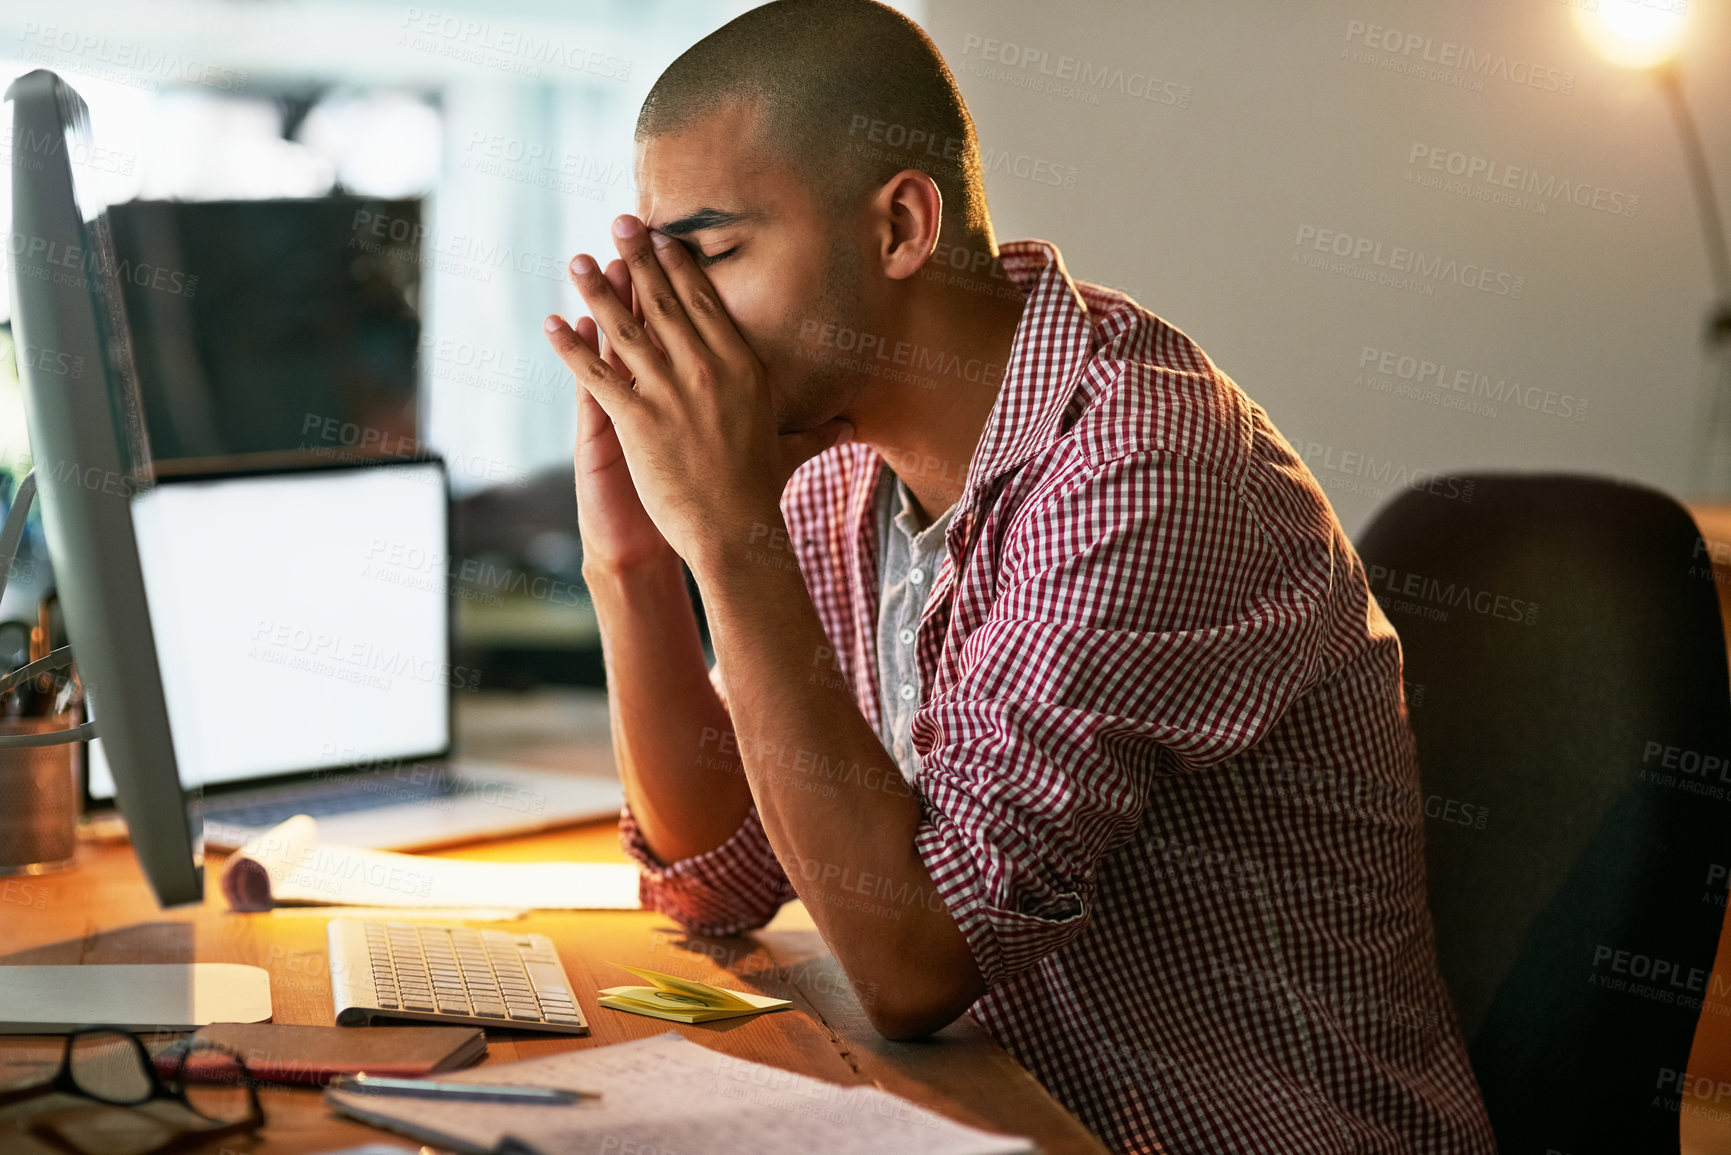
(301, 619)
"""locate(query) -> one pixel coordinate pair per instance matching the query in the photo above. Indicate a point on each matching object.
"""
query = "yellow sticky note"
(684, 1000)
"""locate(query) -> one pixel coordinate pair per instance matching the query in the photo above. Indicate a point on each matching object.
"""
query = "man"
(1044, 675)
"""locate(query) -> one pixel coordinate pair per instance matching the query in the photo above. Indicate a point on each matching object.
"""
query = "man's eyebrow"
(705, 219)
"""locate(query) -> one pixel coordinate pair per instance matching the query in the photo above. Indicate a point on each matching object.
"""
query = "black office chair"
(1567, 684)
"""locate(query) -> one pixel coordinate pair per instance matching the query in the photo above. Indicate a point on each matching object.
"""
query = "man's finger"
(662, 310)
(620, 279)
(587, 366)
(697, 296)
(627, 340)
(588, 333)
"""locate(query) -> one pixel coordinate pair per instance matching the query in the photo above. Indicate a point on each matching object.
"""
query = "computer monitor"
(87, 437)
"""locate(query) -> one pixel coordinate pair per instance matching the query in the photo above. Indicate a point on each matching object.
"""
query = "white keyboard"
(449, 974)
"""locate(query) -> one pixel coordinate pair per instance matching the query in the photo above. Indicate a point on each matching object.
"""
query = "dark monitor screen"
(261, 325)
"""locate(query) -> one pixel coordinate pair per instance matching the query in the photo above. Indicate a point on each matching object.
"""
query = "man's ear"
(909, 211)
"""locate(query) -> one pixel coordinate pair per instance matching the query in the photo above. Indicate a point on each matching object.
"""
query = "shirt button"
(917, 575)
(907, 691)
(906, 637)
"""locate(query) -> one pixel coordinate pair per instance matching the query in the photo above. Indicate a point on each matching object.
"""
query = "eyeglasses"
(111, 1066)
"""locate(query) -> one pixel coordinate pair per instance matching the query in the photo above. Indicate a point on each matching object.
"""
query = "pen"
(479, 1092)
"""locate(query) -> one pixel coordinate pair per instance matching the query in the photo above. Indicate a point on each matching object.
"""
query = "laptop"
(303, 621)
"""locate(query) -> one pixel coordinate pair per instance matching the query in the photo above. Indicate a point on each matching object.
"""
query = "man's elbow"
(901, 1024)
(915, 1013)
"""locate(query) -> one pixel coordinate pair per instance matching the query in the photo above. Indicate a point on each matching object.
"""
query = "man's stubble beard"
(817, 389)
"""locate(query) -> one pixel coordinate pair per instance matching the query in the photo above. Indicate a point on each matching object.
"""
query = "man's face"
(786, 272)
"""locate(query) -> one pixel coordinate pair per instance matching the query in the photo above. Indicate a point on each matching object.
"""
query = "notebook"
(291, 863)
(288, 1053)
(667, 1093)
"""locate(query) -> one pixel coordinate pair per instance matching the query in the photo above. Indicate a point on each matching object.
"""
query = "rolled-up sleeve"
(1144, 622)
(735, 887)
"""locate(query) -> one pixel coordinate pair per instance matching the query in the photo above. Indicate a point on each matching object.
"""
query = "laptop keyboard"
(321, 799)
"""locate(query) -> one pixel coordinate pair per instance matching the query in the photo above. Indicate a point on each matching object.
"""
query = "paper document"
(288, 864)
(684, 1000)
(388, 913)
(670, 1094)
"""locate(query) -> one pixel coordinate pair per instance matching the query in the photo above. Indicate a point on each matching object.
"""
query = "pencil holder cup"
(38, 798)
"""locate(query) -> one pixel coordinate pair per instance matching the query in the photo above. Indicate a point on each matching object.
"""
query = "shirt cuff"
(1005, 933)
(737, 886)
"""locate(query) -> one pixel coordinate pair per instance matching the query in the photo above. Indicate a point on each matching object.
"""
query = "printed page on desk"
(288, 864)
(667, 1093)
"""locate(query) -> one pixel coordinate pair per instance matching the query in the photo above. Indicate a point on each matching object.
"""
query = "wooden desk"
(102, 912)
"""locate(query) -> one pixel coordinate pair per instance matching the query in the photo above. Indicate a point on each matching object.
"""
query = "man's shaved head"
(850, 92)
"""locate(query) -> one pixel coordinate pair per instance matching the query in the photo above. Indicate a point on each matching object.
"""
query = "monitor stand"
(10, 535)
(46, 1000)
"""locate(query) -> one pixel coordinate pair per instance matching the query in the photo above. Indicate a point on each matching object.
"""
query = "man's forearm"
(837, 811)
(671, 735)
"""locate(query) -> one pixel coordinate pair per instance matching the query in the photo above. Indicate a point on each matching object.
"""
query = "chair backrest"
(1567, 686)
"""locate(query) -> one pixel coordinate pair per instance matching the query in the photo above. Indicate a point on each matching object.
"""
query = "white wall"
(1266, 125)
(1192, 206)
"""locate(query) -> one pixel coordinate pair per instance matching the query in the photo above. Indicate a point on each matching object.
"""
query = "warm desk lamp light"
(1634, 33)
(1649, 34)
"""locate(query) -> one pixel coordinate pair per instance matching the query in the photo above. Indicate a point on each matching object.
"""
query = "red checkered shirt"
(1168, 786)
